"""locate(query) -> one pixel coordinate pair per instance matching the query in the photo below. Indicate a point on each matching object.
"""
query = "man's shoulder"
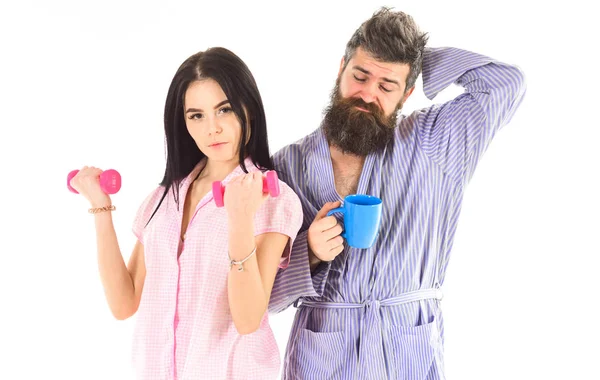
(297, 148)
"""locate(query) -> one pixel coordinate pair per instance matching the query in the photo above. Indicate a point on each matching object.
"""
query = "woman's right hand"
(87, 183)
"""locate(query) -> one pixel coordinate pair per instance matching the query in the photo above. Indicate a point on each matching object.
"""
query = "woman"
(200, 277)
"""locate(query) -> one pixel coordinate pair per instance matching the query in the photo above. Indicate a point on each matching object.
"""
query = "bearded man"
(375, 313)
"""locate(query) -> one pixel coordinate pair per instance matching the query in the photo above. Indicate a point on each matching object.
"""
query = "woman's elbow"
(122, 314)
(246, 328)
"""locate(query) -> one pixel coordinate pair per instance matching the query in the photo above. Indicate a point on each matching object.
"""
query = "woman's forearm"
(116, 280)
(247, 297)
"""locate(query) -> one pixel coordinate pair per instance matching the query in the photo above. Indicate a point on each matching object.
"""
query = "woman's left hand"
(244, 195)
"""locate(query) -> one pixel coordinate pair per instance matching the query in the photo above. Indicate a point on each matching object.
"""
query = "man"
(374, 313)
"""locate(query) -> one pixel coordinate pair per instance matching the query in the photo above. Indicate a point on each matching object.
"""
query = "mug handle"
(342, 211)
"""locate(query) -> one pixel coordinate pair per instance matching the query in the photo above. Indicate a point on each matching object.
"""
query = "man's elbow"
(517, 82)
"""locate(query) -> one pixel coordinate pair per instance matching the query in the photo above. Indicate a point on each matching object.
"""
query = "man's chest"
(346, 178)
(346, 184)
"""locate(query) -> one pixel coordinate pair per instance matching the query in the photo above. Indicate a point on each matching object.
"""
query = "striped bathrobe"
(375, 313)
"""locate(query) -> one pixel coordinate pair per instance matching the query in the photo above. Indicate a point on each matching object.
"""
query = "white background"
(84, 83)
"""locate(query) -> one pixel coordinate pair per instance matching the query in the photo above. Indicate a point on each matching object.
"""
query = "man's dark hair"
(390, 36)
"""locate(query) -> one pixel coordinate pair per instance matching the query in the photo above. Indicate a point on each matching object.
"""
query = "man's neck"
(346, 162)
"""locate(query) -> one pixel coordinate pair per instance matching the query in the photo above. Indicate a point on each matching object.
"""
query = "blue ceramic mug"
(362, 216)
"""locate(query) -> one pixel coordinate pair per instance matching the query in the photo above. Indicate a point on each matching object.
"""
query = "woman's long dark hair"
(238, 84)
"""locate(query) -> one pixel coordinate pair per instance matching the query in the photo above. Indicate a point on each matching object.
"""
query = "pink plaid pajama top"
(184, 328)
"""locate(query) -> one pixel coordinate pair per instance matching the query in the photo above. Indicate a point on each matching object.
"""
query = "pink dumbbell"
(110, 181)
(270, 185)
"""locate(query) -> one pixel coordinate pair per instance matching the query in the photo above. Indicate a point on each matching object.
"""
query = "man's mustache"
(358, 102)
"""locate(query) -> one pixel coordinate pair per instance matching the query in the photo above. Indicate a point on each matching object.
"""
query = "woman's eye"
(196, 116)
(225, 110)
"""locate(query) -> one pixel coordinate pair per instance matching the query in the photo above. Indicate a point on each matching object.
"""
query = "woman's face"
(211, 122)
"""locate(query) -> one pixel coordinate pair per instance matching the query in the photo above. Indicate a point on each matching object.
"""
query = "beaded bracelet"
(102, 209)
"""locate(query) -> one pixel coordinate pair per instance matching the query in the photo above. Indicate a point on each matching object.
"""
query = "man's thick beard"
(357, 132)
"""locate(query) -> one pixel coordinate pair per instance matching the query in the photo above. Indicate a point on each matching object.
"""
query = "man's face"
(367, 96)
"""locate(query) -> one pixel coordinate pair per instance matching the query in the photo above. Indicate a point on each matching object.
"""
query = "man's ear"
(341, 67)
(407, 94)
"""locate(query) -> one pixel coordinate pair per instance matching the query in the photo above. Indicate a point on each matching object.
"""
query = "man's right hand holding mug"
(324, 240)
